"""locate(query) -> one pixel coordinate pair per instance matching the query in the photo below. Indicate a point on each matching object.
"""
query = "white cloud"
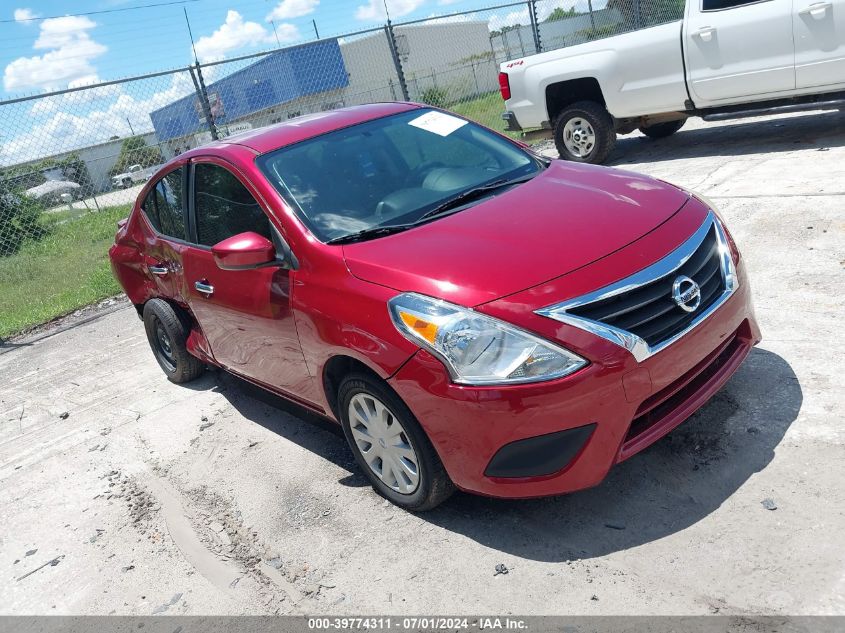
(445, 3)
(374, 9)
(59, 32)
(289, 9)
(49, 105)
(70, 51)
(287, 33)
(232, 35)
(64, 131)
(25, 15)
(44, 107)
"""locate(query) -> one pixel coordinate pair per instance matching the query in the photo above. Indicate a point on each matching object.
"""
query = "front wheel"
(584, 133)
(390, 446)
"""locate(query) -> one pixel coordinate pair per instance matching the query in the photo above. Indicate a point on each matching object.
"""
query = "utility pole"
(278, 43)
(316, 32)
(191, 35)
(129, 123)
(199, 84)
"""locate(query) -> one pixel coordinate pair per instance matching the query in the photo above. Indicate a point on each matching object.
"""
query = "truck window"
(718, 5)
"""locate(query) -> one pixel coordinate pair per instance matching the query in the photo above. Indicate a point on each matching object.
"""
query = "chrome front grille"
(647, 311)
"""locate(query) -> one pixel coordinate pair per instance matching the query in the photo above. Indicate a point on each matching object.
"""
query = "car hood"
(563, 219)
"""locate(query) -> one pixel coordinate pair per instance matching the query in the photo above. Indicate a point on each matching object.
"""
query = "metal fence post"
(535, 25)
(202, 95)
(397, 62)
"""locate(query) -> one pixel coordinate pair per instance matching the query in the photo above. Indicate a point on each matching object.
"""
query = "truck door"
(736, 49)
(819, 43)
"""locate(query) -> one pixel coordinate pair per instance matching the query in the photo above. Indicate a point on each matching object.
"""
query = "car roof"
(267, 139)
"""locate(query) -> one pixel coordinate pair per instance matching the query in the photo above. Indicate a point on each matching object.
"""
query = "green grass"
(64, 271)
(486, 110)
(51, 218)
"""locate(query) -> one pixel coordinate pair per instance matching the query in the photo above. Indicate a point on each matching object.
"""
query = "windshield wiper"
(376, 231)
(444, 207)
(476, 192)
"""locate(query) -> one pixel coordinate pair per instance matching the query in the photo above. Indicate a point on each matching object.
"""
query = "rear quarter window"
(164, 206)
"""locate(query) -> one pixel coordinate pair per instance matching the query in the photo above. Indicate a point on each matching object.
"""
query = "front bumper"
(631, 405)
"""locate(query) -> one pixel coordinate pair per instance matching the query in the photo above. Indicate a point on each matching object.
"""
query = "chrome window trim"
(671, 262)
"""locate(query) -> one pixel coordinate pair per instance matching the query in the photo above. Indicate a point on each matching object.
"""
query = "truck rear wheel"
(662, 130)
(584, 133)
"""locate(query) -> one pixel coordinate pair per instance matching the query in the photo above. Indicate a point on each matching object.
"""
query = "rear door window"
(164, 206)
(224, 206)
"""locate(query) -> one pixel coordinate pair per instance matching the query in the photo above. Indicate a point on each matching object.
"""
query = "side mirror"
(244, 251)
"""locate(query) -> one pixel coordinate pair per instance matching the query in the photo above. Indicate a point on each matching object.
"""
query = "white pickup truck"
(133, 176)
(725, 59)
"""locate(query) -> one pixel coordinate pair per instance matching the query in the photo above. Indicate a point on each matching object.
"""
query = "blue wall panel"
(273, 80)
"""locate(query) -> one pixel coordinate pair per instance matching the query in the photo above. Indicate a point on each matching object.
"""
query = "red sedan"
(473, 315)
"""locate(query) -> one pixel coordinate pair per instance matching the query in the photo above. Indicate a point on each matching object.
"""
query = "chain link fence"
(73, 161)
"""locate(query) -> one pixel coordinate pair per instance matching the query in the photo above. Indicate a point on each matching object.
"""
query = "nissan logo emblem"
(686, 294)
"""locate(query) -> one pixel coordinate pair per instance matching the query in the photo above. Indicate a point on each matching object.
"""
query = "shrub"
(20, 219)
(434, 96)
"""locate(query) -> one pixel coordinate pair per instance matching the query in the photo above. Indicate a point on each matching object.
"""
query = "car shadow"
(670, 486)
(819, 130)
(286, 419)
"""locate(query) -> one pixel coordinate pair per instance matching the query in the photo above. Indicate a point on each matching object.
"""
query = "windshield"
(390, 171)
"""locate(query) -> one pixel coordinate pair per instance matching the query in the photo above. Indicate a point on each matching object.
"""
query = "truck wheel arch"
(561, 94)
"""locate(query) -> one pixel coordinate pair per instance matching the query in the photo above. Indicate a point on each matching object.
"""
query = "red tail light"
(505, 86)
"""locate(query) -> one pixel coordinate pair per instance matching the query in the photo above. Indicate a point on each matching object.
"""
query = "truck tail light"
(505, 86)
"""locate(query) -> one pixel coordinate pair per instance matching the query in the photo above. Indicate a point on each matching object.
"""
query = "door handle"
(157, 269)
(816, 10)
(204, 287)
(705, 33)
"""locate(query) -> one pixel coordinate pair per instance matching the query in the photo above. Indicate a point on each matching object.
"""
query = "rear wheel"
(390, 446)
(167, 332)
(584, 133)
(662, 130)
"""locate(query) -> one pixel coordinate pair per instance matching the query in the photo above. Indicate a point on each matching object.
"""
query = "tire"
(588, 125)
(432, 485)
(662, 130)
(167, 332)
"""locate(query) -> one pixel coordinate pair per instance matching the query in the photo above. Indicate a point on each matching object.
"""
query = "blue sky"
(38, 55)
(44, 49)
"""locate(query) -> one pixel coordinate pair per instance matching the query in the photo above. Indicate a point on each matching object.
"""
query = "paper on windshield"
(438, 123)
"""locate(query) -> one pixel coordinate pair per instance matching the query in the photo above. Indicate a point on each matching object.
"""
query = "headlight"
(477, 349)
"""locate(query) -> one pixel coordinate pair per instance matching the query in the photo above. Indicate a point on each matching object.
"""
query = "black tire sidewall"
(602, 124)
(159, 312)
(429, 463)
